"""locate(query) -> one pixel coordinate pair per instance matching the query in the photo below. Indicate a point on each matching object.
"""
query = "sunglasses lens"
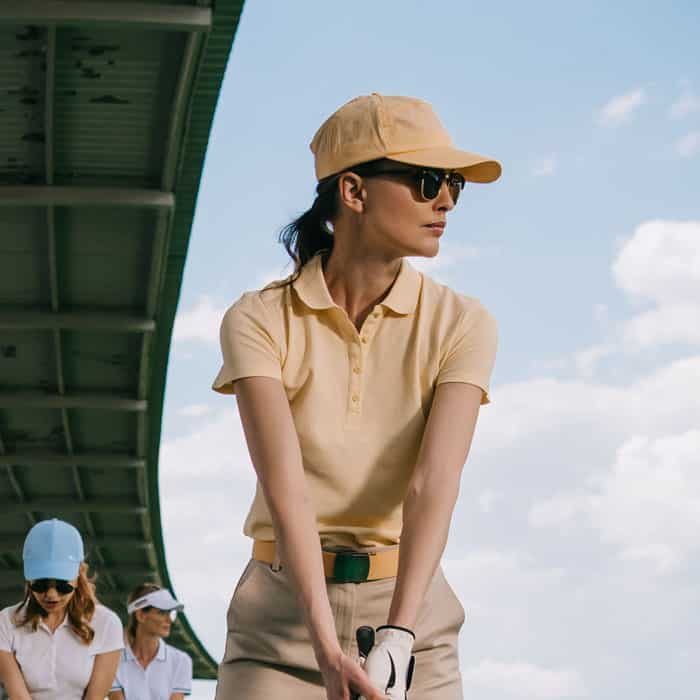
(42, 585)
(430, 184)
(455, 190)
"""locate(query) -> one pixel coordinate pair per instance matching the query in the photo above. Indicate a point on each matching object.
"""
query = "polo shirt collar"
(402, 299)
(64, 623)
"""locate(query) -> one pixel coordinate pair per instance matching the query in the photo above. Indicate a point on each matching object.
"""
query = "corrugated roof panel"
(105, 256)
(88, 292)
(23, 253)
(22, 76)
(114, 92)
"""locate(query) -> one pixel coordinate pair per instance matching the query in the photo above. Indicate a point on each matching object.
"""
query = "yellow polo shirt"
(360, 400)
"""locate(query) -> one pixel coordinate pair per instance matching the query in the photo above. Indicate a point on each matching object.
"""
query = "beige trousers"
(268, 651)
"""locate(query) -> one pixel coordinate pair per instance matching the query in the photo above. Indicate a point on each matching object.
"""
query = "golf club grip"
(365, 641)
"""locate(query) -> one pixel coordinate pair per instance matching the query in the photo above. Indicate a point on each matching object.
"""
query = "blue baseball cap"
(52, 549)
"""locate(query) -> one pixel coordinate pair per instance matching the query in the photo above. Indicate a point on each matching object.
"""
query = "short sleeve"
(471, 353)
(6, 630)
(110, 635)
(182, 675)
(248, 344)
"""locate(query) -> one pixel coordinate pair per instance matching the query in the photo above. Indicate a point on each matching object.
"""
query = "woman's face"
(52, 601)
(155, 622)
(396, 220)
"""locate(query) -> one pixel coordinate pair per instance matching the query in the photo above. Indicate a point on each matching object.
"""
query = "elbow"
(430, 492)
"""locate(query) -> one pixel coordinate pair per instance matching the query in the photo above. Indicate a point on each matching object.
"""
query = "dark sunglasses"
(429, 180)
(42, 585)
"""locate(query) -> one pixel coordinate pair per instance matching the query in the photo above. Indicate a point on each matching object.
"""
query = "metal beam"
(100, 460)
(69, 196)
(98, 14)
(61, 505)
(103, 401)
(76, 320)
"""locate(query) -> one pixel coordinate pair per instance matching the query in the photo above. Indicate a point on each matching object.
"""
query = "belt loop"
(276, 563)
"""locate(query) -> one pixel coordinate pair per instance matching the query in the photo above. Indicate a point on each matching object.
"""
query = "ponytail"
(309, 234)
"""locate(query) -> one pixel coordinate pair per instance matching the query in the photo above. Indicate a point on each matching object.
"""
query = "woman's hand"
(345, 679)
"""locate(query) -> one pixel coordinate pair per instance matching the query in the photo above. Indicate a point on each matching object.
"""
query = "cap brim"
(474, 167)
(161, 599)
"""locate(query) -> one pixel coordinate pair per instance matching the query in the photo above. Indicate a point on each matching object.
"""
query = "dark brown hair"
(80, 609)
(309, 234)
(138, 592)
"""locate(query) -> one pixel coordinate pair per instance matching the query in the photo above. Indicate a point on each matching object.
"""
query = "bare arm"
(177, 696)
(116, 695)
(103, 673)
(274, 450)
(12, 678)
(432, 494)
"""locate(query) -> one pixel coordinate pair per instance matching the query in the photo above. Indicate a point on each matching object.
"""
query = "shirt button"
(364, 339)
(356, 370)
(355, 398)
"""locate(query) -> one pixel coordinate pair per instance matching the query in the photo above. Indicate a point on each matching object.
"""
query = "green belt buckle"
(350, 567)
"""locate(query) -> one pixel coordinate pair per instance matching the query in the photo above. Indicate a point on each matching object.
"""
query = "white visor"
(160, 599)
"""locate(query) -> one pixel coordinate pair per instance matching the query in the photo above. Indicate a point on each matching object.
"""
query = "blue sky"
(575, 540)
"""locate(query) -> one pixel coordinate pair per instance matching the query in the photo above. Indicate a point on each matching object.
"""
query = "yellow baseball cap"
(403, 129)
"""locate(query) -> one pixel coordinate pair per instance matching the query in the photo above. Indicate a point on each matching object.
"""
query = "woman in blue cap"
(59, 643)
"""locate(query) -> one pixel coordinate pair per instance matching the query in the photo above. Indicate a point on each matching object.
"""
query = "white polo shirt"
(169, 672)
(58, 665)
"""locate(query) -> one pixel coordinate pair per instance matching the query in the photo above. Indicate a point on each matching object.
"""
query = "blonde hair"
(80, 609)
(138, 592)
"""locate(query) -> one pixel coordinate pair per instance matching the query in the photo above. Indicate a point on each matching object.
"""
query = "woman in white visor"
(151, 669)
(58, 643)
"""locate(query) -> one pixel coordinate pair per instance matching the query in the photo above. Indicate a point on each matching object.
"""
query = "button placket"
(355, 377)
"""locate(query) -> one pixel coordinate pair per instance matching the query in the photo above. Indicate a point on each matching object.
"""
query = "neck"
(54, 619)
(358, 281)
(145, 647)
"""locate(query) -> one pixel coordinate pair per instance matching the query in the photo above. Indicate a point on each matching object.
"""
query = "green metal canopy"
(105, 112)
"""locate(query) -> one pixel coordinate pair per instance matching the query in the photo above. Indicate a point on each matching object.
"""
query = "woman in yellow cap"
(359, 382)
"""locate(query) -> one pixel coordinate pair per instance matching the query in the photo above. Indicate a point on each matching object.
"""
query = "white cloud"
(443, 265)
(689, 145)
(215, 448)
(487, 499)
(523, 679)
(560, 510)
(587, 359)
(620, 108)
(199, 323)
(686, 104)
(272, 275)
(545, 166)
(647, 504)
(678, 323)
(195, 410)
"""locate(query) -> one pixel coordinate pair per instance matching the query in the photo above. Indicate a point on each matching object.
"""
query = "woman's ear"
(351, 191)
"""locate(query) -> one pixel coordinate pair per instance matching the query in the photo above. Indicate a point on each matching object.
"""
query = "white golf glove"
(389, 664)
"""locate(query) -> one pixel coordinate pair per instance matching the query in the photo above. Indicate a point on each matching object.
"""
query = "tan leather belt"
(344, 566)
